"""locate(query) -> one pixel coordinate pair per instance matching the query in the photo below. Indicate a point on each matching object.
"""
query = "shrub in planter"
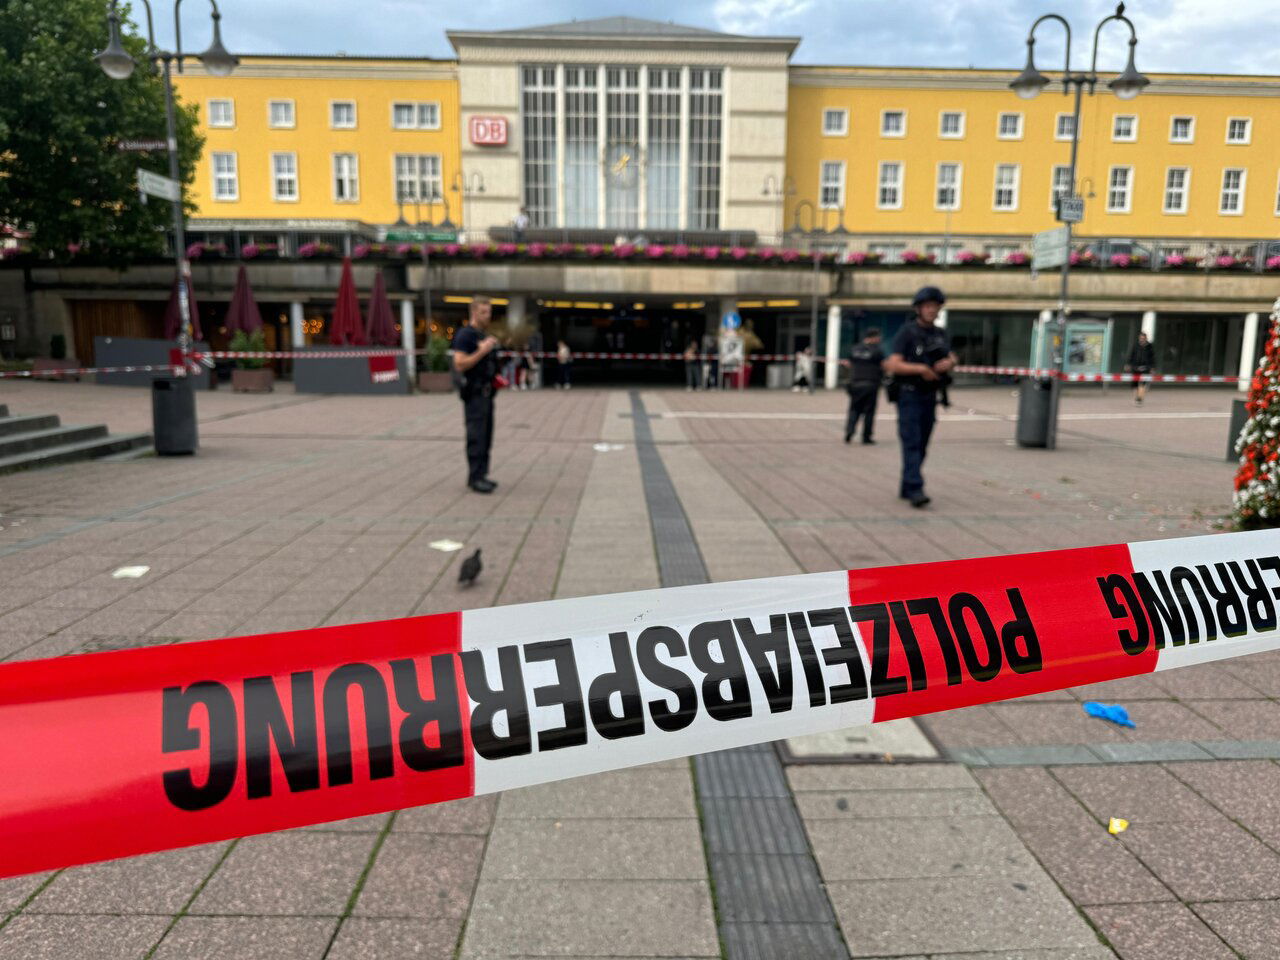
(251, 374)
(435, 377)
(1273, 263)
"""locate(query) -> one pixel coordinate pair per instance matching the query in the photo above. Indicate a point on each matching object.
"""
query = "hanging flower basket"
(1178, 261)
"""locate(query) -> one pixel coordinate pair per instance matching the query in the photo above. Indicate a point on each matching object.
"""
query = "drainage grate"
(769, 894)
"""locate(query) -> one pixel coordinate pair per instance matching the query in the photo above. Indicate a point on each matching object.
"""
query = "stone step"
(19, 443)
(4, 410)
(28, 423)
(85, 449)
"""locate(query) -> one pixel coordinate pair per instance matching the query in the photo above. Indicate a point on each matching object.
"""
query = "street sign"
(158, 186)
(732, 352)
(1071, 209)
(731, 321)
(141, 146)
(422, 236)
(1049, 248)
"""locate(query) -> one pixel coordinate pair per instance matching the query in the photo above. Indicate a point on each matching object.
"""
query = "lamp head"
(115, 60)
(1031, 81)
(216, 59)
(1130, 82)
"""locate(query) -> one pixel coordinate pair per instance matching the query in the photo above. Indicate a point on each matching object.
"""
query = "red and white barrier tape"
(173, 369)
(1047, 373)
(123, 753)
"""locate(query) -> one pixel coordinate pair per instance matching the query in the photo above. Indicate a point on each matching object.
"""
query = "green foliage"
(255, 342)
(61, 176)
(438, 355)
(58, 347)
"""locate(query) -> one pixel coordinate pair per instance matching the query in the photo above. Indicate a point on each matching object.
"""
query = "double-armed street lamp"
(1070, 209)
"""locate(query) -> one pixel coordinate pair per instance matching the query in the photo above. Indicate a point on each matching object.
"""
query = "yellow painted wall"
(1037, 152)
(312, 83)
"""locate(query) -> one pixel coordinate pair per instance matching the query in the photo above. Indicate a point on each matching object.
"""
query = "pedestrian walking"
(804, 370)
(534, 347)
(692, 369)
(1141, 359)
(866, 370)
(475, 365)
(920, 362)
(564, 360)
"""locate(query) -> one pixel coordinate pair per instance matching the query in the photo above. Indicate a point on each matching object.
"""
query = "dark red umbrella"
(380, 329)
(173, 314)
(244, 314)
(345, 327)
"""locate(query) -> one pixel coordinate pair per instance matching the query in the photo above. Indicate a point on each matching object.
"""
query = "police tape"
(176, 370)
(115, 754)
(1048, 373)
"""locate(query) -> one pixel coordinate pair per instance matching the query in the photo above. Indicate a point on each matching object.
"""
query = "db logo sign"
(489, 131)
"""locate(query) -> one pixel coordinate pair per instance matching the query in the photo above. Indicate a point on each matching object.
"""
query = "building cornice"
(330, 68)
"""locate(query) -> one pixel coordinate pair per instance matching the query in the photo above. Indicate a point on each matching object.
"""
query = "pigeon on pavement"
(470, 569)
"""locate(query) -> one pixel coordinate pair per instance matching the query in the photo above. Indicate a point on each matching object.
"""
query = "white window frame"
(354, 179)
(231, 109)
(1115, 119)
(823, 185)
(293, 114)
(415, 120)
(842, 129)
(1128, 188)
(355, 116)
(275, 177)
(1053, 184)
(1222, 190)
(1191, 128)
(937, 184)
(884, 115)
(888, 251)
(1278, 195)
(1022, 122)
(1248, 131)
(900, 184)
(1057, 126)
(958, 135)
(1017, 184)
(235, 175)
(417, 177)
(1186, 192)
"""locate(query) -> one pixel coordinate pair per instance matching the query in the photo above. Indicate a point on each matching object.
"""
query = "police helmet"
(925, 294)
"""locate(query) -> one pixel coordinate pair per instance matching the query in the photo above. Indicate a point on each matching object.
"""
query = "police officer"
(920, 362)
(474, 366)
(865, 363)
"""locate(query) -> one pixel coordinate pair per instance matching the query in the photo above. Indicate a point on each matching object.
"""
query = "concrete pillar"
(728, 305)
(407, 339)
(1248, 351)
(516, 314)
(296, 336)
(1039, 337)
(831, 369)
(1149, 324)
(941, 321)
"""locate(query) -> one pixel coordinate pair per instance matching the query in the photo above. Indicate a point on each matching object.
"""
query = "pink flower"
(1017, 259)
(194, 252)
(404, 249)
(711, 253)
(1175, 260)
(537, 249)
(565, 249)
(507, 249)
(680, 251)
(1121, 260)
(857, 257)
(478, 250)
(790, 255)
(593, 249)
(1273, 263)
(360, 251)
(452, 249)
(1225, 260)
(624, 250)
(766, 253)
(655, 251)
(739, 253)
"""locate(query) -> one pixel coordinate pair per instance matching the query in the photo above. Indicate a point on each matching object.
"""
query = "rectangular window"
(831, 187)
(951, 124)
(1009, 126)
(1064, 126)
(1124, 128)
(222, 113)
(346, 178)
(1278, 196)
(888, 252)
(835, 123)
(538, 127)
(943, 252)
(582, 146)
(418, 178)
(662, 161)
(1232, 200)
(1239, 130)
(415, 116)
(1006, 192)
(889, 187)
(342, 114)
(1060, 186)
(1000, 252)
(226, 177)
(284, 176)
(706, 121)
(947, 196)
(893, 123)
(622, 148)
(1182, 130)
(1175, 189)
(280, 114)
(1119, 181)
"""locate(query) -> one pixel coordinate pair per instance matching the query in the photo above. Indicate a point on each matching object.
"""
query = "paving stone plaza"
(302, 511)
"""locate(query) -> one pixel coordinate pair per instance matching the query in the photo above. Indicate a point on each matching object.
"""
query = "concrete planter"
(429, 382)
(262, 380)
(349, 375)
(138, 351)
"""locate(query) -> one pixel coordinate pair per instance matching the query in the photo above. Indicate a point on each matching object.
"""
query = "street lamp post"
(118, 64)
(1028, 85)
(466, 186)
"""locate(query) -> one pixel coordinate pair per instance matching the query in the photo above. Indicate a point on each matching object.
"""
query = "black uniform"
(865, 360)
(475, 387)
(917, 399)
(1142, 358)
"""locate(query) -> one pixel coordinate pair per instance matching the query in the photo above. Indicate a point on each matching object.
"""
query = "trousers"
(862, 404)
(917, 413)
(478, 416)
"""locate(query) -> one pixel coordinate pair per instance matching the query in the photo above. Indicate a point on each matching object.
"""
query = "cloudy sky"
(1174, 35)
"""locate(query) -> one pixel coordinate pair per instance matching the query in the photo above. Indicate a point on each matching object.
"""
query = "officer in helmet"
(920, 363)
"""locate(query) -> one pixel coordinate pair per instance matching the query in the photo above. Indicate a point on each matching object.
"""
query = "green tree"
(61, 176)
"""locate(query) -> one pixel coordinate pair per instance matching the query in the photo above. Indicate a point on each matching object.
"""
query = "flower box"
(261, 380)
(259, 251)
(430, 381)
(1272, 263)
(317, 251)
(1176, 261)
(206, 251)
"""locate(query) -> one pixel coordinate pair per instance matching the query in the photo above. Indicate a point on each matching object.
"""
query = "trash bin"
(1034, 398)
(1239, 417)
(173, 416)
